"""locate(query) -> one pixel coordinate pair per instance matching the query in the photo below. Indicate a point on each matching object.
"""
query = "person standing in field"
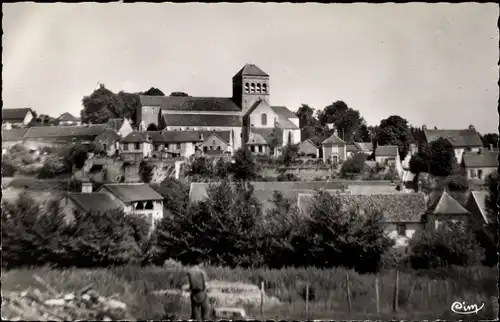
(200, 307)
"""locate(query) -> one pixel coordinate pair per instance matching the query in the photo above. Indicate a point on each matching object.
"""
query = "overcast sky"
(434, 64)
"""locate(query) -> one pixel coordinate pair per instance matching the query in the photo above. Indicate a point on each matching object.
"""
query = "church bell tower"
(250, 85)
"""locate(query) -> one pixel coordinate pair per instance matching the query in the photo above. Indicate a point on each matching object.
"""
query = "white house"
(16, 117)
(464, 140)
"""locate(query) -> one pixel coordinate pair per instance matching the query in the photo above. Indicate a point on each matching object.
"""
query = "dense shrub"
(287, 177)
(449, 244)
(353, 165)
(146, 171)
(8, 169)
(456, 182)
(175, 194)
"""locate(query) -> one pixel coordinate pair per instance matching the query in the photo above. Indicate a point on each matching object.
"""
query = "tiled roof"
(333, 139)
(65, 131)
(202, 120)
(386, 151)
(129, 192)
(310, 142)
(250, 70)
(115, 124)
(458, 138)
(256, 139)
(175, 136)
(136, 137)
(479, 199)
(198, 191)
(398, 207)
(265, 197)
(366, 147)
(68, 117)
(369, 189)
(189, 103)
(259, 134)
(223, 135)
(94, 202)
(285, 123)
(14, 114)
(351, 148)
(284, 111)
(13, 134)
(486, 159)
(447, 205)
(108, 134)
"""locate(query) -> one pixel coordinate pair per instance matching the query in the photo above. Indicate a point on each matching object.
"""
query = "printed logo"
(462, 308)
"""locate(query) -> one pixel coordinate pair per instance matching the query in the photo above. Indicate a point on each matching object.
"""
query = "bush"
(312, 155)
(457, 182)
(146, 171)
(8, 169)
(287, 177)
(449, 244)
(353, 165)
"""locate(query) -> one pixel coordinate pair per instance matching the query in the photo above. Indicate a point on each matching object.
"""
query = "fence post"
(307, 300)
(396, 293)
(348, 291)
(377, 294)
(262, 299)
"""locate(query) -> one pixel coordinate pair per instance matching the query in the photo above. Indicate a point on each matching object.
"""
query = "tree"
(442, 158)
(419, 163)
(449, 244)
(490, 138)
(290, 154)
(100, 106)
(362, 134)
(130, 103)
(146, 171)
(175, 195)
(153, 91)
(306, 116)
(346, 120)
(394, 130)
(243, 166)
(488, 237)
(353, 165)
(181, 94)
(457, 183)
(343, 236)
(42, 120)
(275, 139)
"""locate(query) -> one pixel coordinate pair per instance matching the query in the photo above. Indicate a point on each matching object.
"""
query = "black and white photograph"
(250, 161)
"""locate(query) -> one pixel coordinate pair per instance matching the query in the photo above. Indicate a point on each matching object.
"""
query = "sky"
(433, 64)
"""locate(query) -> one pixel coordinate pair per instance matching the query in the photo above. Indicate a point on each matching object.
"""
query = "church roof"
(250, 70)
(189, 103)
(284, 111)
(197, 120)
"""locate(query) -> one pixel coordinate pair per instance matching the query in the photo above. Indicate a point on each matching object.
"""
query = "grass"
(328, 299)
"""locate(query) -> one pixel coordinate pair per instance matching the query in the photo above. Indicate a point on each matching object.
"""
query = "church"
(245, 119)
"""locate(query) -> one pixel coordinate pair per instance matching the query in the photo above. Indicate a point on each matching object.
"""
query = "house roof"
(386, 151)
(68, 117)
(202, 120)
(223, 135)
(136, 137)
(95, 202)
(485, 159)
(175, 136)
(263, 136)
(479, 199)
(250, 70)
(284, 111)
(285, 123)
(265, 197)
(107, 135)
(256, 139)
(190, 103)
(65, 131)
(15, 114)
(370, 189)
(397, 207)
(366, 147)
(333, 140)
(458, 138)
(115, 123)
(130, 192)
(198, 190)
(13, 134)
(310, 142)
(351, 148)
(447, 205)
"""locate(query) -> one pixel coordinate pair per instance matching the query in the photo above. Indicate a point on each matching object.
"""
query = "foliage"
(153, 91)
(449, 244)
(488, 236)
(175, 195)
(362, 134)
(43, 120)
(221, 230)
(32, 235)
(243, 166)
(442, 158)
(492, 187)
(345, 119)
(419, 163)
(490, 138)
(146, 171)
(181, 94)
(353, 165)
(287, 177)
(394, 130)
(221, 169)
(8, 169)
(289, 155)
(457, 182)
(201, 167)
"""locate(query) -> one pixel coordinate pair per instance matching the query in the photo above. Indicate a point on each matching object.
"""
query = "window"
(218, 148)
(247, 87)
(205, 149)
(467, 149)
(260, 148)
(252, 88)
(178, 146)
(137, 146)
(401, 229)
(104, 146)
(472, 173)
(263, 119)
(258, 88)
(125, 147)
(139, 206)
(264, 88)
(213, 142)
(149, 205)
(211, 147)
(480, 174)
(253, 148)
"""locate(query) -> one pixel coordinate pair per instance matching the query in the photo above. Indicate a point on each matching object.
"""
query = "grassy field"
(420, 297)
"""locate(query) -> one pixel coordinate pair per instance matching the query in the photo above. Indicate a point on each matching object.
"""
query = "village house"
(108, 142)
(132, 198)
(334, 149)
(136, 147)
(248, 108)
(58, 136)
(169, 144)
(16, 117)
(466, 140)
(221, 141)
(122, 126)
(351, 150)
(359, 147)
(388, 155)
(263, 141)
(308, 148)
(445, 209)
(478, 165)
(402, 212)
(68, 119)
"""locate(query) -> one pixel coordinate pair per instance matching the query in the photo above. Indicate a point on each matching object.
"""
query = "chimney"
(491, 147)
(86, 187)
(471, 127)
(335, 132)
(101, 85)
(419, 186)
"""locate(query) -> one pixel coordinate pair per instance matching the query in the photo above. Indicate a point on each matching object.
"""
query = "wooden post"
(396, 293)
(262, 299)
(377, 294)
(307, 300)
(348, 292)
